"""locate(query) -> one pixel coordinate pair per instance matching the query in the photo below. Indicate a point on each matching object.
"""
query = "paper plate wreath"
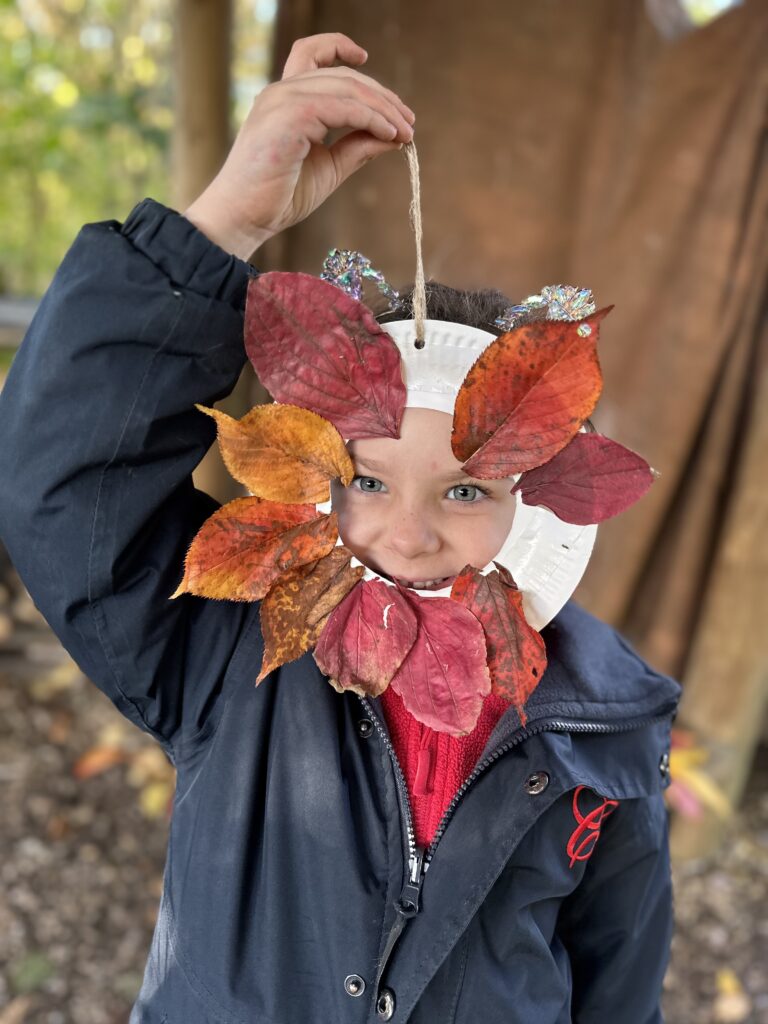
(335, 373)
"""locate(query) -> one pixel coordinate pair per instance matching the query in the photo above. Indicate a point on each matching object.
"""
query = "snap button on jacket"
(291, 882)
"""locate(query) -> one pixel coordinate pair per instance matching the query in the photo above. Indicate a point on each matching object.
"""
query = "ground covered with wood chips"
(85, 807)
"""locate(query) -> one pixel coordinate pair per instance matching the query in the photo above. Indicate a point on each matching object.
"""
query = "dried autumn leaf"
(590, 480)
(517, 655)
(366, 638)
(294, 611)
(526, 396)
(282, 452)
(445, 678)
(96, 761)
(313, 345)
(155, 799)
(240, 550)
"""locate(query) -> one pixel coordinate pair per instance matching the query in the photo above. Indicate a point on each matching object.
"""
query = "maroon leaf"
(517, 655)
(314, 346)
(444, 678)
(366, 638)
(591, 479)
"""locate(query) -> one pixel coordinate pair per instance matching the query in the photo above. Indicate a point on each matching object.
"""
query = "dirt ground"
(84, 829)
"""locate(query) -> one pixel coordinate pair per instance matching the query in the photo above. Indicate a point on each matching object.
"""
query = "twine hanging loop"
(419, 285)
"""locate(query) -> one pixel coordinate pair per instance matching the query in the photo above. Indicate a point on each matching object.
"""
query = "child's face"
(411, 513)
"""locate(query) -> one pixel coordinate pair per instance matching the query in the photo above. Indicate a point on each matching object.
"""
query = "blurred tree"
(86, 107)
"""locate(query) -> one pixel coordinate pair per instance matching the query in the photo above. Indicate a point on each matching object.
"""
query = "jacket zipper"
(419, 859)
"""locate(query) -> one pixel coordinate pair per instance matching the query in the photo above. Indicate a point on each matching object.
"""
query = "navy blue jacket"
(293, 891)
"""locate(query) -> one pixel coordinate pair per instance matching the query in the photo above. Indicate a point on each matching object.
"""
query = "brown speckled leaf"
(366, 638)
(444, 678)
(295, 610)
(517, 655)
(526, 396)
(590, 480)
(282, 452)
(313, 345)
(240, 550)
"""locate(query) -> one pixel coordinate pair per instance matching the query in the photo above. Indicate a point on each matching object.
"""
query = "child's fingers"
(350, 153)
(362, 91)
(348, 113)
(320, 51)
(365, 82)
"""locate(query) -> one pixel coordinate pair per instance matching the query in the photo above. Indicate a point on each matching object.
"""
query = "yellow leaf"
(727, 982)
(153, 799)
(707, 790)
(681, 760)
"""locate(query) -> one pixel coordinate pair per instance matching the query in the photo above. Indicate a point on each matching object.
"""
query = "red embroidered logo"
(587, 831)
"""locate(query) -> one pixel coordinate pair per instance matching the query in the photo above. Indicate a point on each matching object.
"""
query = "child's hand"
(278, 170)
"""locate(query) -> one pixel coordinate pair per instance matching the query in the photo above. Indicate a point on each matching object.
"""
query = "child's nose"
(412, 535)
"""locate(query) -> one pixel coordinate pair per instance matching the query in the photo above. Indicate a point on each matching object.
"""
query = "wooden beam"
(202, 131)
(201, 139)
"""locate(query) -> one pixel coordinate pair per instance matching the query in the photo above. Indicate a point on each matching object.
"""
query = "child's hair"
(473, 308)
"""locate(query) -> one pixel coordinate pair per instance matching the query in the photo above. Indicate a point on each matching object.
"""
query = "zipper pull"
(408, 904)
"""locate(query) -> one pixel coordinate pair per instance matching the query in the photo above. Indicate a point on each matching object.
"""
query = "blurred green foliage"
(86, 105)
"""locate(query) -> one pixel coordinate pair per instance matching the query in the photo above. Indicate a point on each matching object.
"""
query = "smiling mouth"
(438, 583)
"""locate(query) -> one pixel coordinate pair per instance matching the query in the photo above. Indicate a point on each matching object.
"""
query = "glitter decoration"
(583, 330)
(532, 308)
(556, 302)
(567, 302)
(348, 270)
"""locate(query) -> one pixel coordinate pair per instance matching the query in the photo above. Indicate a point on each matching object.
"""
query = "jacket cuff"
(185, 255)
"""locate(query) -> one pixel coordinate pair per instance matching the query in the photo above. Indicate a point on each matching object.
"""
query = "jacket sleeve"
(617, 925)
(99, 440)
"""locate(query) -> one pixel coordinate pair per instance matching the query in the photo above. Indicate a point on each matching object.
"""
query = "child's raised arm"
(97, 419)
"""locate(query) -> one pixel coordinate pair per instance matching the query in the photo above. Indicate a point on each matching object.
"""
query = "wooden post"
(202, 136)
(726, 685)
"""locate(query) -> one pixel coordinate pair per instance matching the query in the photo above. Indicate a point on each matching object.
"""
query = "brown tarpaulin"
(569, 142)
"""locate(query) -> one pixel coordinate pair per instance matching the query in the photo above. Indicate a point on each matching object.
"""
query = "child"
(295, 887)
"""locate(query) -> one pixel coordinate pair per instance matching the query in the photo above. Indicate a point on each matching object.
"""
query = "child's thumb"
(356, 149)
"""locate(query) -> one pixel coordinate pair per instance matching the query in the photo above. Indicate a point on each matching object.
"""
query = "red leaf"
(444, 679)
(517, 655)
(314, 346)
(590, 480)
(366, 638)
(526, 396)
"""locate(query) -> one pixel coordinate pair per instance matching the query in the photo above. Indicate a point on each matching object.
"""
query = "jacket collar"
(593, 676)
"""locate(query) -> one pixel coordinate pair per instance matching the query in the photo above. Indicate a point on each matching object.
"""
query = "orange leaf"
(282, 452)
(517, 655)
(526, 396)
(239, 551)
(96, 761)
(295, 610)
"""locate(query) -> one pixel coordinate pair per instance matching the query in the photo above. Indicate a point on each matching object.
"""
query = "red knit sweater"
(434, 763)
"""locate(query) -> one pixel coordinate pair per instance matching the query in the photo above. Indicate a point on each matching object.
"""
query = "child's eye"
(368, 484)
(469, 493)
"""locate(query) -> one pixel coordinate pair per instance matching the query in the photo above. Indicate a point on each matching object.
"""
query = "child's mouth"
(431, 584)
